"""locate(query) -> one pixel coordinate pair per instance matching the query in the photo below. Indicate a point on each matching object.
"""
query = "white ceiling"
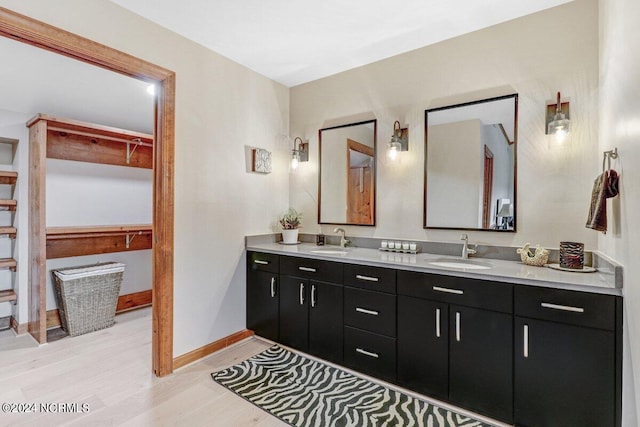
(34, 80)
(294, 42)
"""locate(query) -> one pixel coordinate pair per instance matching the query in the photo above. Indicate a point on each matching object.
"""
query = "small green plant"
(291, 220)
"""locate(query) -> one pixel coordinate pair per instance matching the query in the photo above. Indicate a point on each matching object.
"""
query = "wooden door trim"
(360, 147)
(487, 189)
(369, 151)
(45, 36)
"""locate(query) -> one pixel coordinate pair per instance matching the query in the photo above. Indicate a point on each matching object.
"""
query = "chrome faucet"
(343, 241)
(465, 247)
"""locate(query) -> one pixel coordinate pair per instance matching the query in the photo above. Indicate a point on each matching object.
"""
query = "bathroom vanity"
(526, 345)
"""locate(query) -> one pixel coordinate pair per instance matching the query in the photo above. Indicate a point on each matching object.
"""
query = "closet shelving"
(60, 138)
(76, 241)
(10, 178)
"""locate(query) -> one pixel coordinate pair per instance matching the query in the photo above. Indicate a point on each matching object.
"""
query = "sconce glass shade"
(394, 148)
(300, 152)
(294, 160)
(397, 143)
(559, 126)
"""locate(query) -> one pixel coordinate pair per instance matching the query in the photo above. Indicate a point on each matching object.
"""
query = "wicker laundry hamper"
(87, 296)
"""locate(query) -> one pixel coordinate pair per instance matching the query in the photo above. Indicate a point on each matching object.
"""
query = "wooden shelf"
(9, 263)
(8, 295)
(10, 141)
(8, 205)
(8, 177)
(88, 142)
(65, 242)
(9, 231)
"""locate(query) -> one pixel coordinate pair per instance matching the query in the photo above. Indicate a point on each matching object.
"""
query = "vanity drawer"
(573, 307)
(371, 278)
(370, 353)
(309, 268)
(457, 290)
(260, 261)
(371, 311)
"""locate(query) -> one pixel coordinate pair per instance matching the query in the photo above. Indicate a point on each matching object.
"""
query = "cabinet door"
(481, 361)
(294, 313)
(325, 321)
(423, 346)
(564, 375)
(262, 304)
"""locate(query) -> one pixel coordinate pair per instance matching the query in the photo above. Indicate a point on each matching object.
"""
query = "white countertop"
(602, 282)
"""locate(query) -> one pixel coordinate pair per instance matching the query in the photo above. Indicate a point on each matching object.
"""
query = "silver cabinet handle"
(367, 353)
(259, 261)
(313, 295)
(525, 350)
(367, 278)
(458, 326)
(365, 311)
(273, 287)
(309, 269)
(438, 322)
(562, 307)
(301, 293)
(447, 290)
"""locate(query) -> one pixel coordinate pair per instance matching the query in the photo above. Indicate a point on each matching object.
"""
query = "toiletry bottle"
(320, 237)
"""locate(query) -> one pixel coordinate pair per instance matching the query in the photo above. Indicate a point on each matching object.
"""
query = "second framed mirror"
(470, 165)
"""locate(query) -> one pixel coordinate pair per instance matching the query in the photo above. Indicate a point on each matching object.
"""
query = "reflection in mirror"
(470, 165)
(347, 192)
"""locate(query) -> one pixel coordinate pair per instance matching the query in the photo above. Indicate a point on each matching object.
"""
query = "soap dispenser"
(319, 237)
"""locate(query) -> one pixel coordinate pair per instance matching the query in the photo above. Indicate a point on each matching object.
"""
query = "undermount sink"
(465, 264)
(329, 251)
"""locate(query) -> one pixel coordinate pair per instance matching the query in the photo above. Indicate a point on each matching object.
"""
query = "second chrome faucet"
(465, 247)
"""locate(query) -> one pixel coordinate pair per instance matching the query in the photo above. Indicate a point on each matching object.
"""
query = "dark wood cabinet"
(326, 321)
(567, 358)
(370, 319)
(311, 312)
(527, 355)
(481, 361)
(263, 304)
(262, 296)
(294, 312)
(454, 352)
(564, 375)
(311, 317)
(423, 346)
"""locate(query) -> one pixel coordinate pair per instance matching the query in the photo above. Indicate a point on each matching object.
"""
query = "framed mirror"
(470, 165)
(347, 176)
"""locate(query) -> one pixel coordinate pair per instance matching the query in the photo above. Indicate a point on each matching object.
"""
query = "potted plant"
(290, 222)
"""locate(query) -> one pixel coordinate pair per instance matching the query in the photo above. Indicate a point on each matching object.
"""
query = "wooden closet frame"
(45, 36)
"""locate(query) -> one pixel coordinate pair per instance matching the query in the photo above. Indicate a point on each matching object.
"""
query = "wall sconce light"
(399, 141)
(300, 152)
(558, 119)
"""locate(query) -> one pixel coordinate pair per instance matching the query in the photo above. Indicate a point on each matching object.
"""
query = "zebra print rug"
(304, 392)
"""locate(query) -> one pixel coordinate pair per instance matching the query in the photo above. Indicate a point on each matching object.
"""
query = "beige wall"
(220, 107)
(455, 158)
(554, 181)
(620, 127)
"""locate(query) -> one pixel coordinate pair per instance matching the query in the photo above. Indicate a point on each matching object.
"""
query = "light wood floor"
(110, 370)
